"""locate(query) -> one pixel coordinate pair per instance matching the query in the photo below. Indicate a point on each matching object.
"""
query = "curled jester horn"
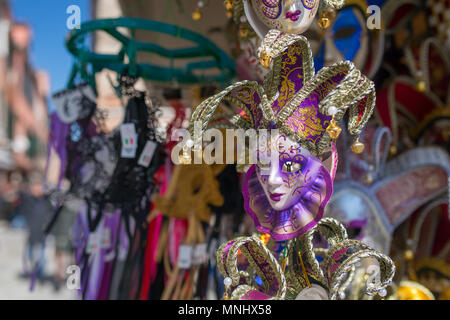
(333, 273)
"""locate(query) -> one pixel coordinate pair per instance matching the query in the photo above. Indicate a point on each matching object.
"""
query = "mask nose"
(275, 179)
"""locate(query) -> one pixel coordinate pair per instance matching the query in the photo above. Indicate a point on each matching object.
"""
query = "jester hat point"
(293, 99)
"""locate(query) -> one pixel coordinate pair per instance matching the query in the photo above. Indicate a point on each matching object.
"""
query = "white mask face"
(291, 16)
(285, 176)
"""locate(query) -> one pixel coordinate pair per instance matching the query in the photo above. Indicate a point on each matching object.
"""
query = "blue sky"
(48, 21)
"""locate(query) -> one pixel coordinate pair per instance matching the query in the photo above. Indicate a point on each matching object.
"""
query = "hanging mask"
(292, 16)
(373, 196)
(400, 103)
(348, 38)
(287, 197)
(287, 188)
(74, 104)
(135, 174)
(88, 155)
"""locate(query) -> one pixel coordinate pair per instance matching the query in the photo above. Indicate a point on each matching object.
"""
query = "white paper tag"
(129, 153)
(199, 254)
(106, 238)
(128, 135)
(147, 154)
(129, 140)
(92, 243)
(184, 257)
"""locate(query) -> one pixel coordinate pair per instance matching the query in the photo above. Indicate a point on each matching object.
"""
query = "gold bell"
(393, 150)
(334, 130)
(197, 15)
(229, 4)
(368, 178)
(421, 86)
(243, 32)
(265, 59)
(227, 282)
(408, 255)
(358, 147)
(325, 18)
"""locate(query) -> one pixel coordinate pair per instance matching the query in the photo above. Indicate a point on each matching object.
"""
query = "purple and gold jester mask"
(291, 16)
(285, 193)
(349, 37)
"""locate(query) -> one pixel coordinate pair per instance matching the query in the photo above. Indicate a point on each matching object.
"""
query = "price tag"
(129, 140)
(200, 254)
(106, 239)
(92, 244)
(184, 257)
(147, 154)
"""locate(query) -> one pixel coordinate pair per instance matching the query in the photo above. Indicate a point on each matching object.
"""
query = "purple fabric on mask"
(287, 224)
(291, 76)
(251, 99)
(256, 295)
(306, 118)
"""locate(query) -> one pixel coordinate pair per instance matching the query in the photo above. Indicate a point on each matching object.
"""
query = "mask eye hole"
(291, 166)
(345, 32)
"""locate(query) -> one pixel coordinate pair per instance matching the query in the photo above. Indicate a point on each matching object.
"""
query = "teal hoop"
(85, 59)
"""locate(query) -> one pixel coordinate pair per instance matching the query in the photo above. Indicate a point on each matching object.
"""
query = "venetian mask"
(291, 16)
(286, 192)
(287, 188)
(358, 214)
(347, 38)
(74, 104)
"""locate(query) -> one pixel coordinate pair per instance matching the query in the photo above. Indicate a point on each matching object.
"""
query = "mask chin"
(296, 28)
(262, 29)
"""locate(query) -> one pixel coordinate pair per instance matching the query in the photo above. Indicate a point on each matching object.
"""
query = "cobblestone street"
(13, 284)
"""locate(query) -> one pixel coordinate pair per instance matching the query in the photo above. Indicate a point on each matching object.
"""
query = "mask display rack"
(88, 63)
(114, 175)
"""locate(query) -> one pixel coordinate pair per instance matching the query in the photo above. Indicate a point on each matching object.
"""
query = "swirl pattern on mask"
(315, 193)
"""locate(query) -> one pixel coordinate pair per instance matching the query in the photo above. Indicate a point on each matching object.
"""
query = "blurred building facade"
(23, 110)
